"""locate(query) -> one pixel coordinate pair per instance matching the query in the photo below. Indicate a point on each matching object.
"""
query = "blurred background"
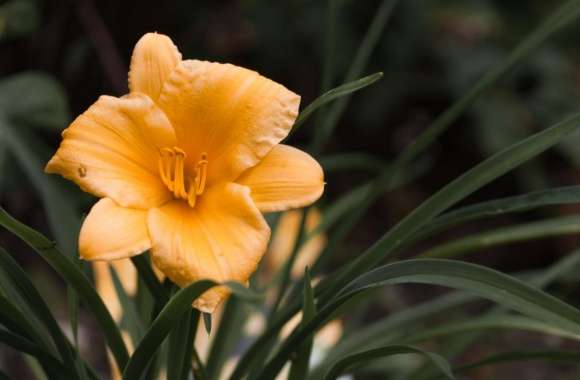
(57, 57)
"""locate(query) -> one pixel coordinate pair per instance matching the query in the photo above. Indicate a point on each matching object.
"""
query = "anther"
(172, 171)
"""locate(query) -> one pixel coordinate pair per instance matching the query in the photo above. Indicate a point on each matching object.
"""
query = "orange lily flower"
(186, 164)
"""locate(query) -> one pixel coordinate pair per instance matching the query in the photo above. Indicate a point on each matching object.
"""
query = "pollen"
(174, 175)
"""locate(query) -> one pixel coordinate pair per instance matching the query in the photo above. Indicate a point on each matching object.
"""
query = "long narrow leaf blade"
(483, 281)
(299, 368)
(75, 278)
(333, 94)
(458, 189)
(497, 207)
(166, 320)
(358, 358)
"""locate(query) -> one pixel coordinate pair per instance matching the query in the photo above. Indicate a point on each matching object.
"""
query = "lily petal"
(113, 232)
(286, 178)
(222, 238)
(154, 58)
(111, 151)
(233, 114)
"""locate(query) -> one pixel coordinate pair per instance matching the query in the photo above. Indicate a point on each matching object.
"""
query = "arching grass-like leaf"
(559, 356)
(359, 358)
(452, 193)
(384, 331)
(300, 363)
(361, 58)
(166, 320)
(483, 281)
(72, 274)
(30, 296)
(335, 93)
(497, 207)
(552, 227)
(497, 322)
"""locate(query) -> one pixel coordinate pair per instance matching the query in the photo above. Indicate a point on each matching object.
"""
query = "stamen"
(165, 162)
(172, 171)
(192, 195)
(179, 183)
(201, 174)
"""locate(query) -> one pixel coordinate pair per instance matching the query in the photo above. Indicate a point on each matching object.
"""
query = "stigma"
(173, 174)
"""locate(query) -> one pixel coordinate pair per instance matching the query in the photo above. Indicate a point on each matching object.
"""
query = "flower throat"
(173, 175)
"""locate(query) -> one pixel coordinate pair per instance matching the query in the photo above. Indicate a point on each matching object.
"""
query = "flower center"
(173, 175)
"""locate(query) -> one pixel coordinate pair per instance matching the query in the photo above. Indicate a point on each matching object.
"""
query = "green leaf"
(146, 274)
(559, 356)
(34, 99)
(560, 18)
(359, 358)
(496, 322)
(180, 345)
(299, 367)
(24, 324)
(452, 193)
(207, 322)
(335, 93)
(227, 336)
(286, 270)
(485, 282)
(563, 16)
(32, 298)
(361, 58)
(71, 273)
(552, 227)
(458, 343)
(48, 362)
(63, 216)
(168, 317)
(384, 331)
(497, 207)
(131, 320)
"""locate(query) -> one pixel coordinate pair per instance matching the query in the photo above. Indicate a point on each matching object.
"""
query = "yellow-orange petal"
(233, 114)
(222, 238)
(154, 58)
(285, 237)
(111, 150)
(113, 232)
(286, 178)
(106, 288)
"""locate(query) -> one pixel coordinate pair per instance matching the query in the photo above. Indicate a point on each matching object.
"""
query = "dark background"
(64, 54)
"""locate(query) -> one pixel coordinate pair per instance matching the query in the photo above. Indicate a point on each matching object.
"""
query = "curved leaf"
(570, 357)
(72, 274)
(357, 359)
(300, 364)
(504, 322)
(166, 320)
(368, 44)
(496, 207)
(36, 303)
(483, 281)
(335, 93)
(452, 193)
(505, 235)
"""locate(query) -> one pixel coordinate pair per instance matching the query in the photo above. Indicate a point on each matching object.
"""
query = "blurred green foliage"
(58, 56)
